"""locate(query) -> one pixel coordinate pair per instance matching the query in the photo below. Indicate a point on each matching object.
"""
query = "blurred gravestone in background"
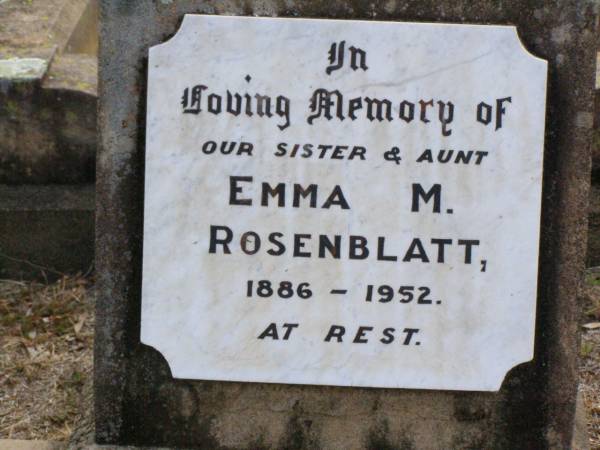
(48, 67)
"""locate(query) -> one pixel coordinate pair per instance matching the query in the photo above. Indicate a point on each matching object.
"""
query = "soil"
(46, 339)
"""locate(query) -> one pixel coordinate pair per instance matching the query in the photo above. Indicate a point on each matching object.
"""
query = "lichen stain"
(561, 34)
(299, 434)
(379, 439)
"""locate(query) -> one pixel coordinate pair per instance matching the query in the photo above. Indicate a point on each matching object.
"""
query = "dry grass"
(590, 357)
(46, 336)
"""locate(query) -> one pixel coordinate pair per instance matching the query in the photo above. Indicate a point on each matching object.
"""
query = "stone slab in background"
(48, 137)
(138, 402)
(46, 231)
(49, 128)
(74, 29)
(48, 115)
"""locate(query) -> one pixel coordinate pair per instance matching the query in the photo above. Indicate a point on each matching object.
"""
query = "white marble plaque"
(342, 203)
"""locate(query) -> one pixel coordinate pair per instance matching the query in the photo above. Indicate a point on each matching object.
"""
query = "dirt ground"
(589, 373)
(46, 340)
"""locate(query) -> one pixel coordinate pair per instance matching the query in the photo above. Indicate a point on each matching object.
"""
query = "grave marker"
(141, 397)
(326, 211)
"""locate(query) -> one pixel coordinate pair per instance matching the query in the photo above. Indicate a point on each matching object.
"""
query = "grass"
(586, 349)
(46, 335)
(593, 279)
(589, 372)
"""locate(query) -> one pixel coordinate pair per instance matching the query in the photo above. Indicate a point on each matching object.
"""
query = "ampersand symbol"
(393, 155)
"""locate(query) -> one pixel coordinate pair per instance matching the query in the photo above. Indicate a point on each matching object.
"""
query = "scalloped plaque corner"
(342, 202)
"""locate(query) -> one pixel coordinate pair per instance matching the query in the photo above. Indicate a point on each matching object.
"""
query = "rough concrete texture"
(596, 139)
(46, 231)
(49, 131)
(581, 440)
(137, 401)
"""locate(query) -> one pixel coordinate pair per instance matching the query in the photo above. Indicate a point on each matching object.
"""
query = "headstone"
(337, 212)
(324, 233)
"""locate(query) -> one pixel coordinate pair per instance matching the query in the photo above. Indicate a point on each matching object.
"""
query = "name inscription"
(354, 203)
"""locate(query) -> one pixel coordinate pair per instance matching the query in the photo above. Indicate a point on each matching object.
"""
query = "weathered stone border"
(136, 399)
